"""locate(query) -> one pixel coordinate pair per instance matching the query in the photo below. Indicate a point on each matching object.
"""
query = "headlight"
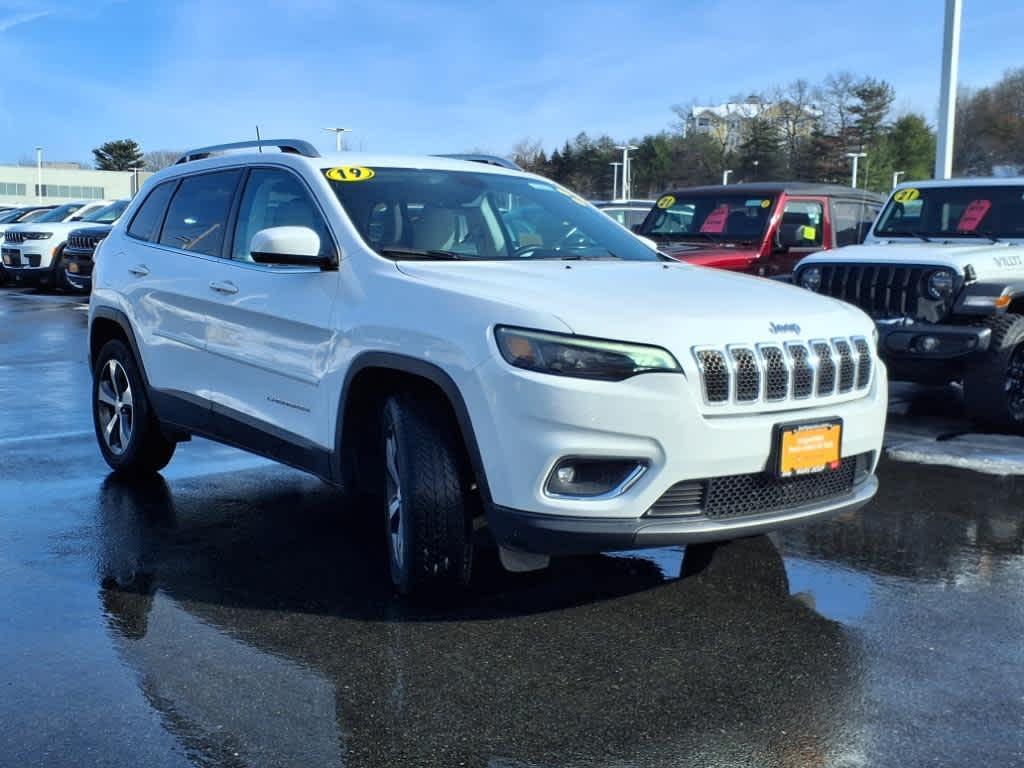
(810, 278)
(567, 355)
(940, 284)
(38, 235)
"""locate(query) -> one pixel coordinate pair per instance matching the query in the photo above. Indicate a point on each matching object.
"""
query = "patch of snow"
(989, 454)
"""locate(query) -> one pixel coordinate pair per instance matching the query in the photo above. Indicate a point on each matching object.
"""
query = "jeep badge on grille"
(777, 328)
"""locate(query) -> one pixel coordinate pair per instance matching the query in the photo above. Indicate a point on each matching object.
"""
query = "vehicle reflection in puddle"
(264, 635)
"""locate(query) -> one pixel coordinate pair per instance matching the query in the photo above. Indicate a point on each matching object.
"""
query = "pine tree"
(119, 155)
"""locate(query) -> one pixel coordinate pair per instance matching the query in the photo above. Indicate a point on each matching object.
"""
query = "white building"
(60, 184)
(727, 122)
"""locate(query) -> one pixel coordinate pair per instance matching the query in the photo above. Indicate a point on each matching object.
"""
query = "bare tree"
(795, 114)
(529, 155)
(838, 96)
(160, 158)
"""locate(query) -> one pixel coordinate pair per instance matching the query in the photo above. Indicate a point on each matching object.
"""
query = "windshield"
(107, 214)
(721, 217)
(407, 213)
(943, 212)
(10, 215)
(59, 213)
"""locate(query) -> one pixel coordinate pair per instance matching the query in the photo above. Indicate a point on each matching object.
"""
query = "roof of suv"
(332, 159)
(789, 187)
(974, 181)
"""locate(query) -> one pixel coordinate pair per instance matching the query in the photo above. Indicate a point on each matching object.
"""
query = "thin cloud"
(21, 18)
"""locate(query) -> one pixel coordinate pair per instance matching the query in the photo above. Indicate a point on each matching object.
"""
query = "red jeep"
(763, 228)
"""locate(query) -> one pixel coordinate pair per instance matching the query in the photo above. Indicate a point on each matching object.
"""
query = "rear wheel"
(126, 429)
(994, 385)
(424, 499)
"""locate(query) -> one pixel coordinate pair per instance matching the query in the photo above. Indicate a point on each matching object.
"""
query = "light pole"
(615, 178)
(947, 91)
(896, 177)
(756, 163)
(39, 174)
(337, 136)
(626, 186)
(725, 177)
(855, 156)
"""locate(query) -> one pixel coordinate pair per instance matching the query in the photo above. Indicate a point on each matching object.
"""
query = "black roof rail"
(488, 159)
(291, 146)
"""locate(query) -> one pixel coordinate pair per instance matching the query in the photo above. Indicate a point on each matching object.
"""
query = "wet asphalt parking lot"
(235, 613)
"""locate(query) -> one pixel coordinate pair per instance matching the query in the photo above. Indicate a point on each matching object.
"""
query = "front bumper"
(525, 423)
(908, 343)
(81, 278)
(31, 277)
(560, 535)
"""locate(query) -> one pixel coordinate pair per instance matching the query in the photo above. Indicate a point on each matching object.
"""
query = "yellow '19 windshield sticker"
(906, 195)
(765, 203)
(666, 201)
(349, 173)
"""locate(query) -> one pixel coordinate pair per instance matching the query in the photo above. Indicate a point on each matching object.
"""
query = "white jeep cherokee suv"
(464, 342)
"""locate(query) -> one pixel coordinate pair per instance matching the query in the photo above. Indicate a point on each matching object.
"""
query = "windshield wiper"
(420, 253)
(921, 236)
(988, 236)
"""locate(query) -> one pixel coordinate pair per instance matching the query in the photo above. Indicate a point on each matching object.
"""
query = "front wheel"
(126, 429)
(427, 520)
(994, 385)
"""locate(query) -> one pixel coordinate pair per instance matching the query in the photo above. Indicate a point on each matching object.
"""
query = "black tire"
(57, 282)
(994, 385)
(430, 542)
(133, 446)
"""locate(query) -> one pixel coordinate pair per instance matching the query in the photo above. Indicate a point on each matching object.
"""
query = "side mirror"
(298, 246)
(794, 236)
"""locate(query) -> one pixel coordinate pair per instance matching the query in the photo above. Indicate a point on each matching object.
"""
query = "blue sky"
(426, 76)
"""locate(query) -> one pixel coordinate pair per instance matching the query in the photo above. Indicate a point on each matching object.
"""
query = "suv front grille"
(14, 237)
(775, 373)
(884, 290)
(84, 242)
(758, 492)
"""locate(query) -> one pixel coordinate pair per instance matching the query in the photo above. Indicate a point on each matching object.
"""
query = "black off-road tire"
(994, 384)
(145, 451)
(434, 553)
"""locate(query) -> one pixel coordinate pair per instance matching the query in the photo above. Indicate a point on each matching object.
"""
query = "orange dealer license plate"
(804, 449)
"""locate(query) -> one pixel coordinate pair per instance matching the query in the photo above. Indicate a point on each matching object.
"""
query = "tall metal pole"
(615, 178)
(39, 174)
(947, 94)
(896, 177)
(855, 156)
(337, 136)
(625, 168)
(725, 177)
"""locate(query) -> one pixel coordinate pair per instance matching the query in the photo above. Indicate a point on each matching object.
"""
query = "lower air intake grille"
(681, 499)
(759, 492)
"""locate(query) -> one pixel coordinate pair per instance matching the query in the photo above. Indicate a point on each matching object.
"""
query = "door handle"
(139, 270)
(224, 287)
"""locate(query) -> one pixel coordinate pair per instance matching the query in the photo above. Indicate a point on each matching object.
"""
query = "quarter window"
(146, 223)
(276, 198)
(198, 214)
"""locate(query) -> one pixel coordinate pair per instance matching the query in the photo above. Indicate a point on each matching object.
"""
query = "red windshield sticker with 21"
(972, 215)
(715, 222)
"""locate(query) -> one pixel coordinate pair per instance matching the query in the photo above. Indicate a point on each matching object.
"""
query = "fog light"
(927, 343)
(591, 478)
(73, 267)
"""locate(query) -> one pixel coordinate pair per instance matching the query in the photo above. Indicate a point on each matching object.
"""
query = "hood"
(91, 230)
(58, 229)
(983, 257)
(723, 257)
(670, 305)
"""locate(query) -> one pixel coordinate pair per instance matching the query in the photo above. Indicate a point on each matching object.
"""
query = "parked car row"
(33, 249)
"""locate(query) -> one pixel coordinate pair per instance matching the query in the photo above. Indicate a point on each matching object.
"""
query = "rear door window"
(147, 220)
(198, 215)
(852, 220)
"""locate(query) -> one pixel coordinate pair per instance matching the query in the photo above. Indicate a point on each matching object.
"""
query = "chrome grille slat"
(775, 372)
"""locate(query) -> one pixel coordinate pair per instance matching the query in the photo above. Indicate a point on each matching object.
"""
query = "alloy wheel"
(393, 485)
(115, 406)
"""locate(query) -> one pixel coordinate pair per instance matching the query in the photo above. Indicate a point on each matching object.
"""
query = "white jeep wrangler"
(942, 274)
(466, 342)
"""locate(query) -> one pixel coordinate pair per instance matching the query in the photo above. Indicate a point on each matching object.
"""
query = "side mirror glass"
(298, 246)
